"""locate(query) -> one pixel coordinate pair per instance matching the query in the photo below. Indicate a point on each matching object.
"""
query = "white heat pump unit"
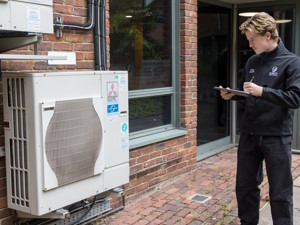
(34, 16)
(66, 137)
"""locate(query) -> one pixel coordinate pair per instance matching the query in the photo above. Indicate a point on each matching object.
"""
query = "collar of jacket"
(279, 49)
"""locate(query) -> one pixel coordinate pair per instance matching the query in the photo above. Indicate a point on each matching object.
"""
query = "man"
(272, 78)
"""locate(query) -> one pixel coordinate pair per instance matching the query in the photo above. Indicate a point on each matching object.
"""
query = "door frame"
(217, 146)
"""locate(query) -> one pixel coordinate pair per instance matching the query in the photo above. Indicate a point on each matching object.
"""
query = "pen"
(252, 79)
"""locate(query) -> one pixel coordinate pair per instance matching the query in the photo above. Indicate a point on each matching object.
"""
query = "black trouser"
(276, 150)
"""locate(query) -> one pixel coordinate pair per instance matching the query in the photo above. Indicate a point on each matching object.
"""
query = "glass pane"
(285, 16)
(145, 113)
(213, 70)
(140, 37)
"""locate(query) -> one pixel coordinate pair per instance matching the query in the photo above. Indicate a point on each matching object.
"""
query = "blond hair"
(260, 23)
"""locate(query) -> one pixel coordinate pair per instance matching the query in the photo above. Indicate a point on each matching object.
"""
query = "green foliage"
(144, 108)
(125, 30)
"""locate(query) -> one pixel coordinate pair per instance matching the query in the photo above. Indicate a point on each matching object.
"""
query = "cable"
(87, 212)
(87, 26)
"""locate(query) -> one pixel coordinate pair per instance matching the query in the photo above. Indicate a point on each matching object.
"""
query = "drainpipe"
(0, 71)
(103, 37)
(100, 36)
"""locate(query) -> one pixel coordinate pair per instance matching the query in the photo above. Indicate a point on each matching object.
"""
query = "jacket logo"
(274, 72)
(251, 71)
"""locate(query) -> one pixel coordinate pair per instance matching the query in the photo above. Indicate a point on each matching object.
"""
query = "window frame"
(160, 133)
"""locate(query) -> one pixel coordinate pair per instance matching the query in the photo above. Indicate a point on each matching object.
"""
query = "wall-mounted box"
(34, 16)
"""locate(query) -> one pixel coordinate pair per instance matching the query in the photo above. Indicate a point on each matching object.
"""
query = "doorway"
(213, 121)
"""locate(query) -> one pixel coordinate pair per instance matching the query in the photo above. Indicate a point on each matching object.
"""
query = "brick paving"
(213, 177)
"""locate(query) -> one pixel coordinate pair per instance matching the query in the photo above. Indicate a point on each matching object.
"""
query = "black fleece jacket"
(278, 72)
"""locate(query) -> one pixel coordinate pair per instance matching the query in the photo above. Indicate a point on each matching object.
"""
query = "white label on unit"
(123, 83)
(124, 137)
(34, 19)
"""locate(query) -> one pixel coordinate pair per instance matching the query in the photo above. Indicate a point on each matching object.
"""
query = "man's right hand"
(226, 95)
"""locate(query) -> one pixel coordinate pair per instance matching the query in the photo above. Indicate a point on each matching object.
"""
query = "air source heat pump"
(67, 137)
(34, 16)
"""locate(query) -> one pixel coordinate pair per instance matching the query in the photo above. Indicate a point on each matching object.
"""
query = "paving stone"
(297, 182)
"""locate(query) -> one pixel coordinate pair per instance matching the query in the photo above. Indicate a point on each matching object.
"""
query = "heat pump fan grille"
(18, 143)
(73, 140)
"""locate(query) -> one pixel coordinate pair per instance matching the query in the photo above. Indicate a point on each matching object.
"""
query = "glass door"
(213, 124)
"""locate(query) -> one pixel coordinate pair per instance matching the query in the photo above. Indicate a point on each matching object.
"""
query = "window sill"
(153, 138)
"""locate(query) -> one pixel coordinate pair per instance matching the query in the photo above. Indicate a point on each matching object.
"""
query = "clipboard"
(237, 92)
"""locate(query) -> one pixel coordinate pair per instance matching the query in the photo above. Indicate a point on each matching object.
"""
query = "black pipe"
(75, 26)
(100, 36)
(97, 43)
(0, 71)
(103, 35)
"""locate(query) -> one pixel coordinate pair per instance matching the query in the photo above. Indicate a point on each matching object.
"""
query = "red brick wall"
(81, 42)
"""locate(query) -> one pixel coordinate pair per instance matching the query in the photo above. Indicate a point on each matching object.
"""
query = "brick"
(20, 66)
(2, 192)
(89, 56)
(3, 202)
(62, 46)
(6, 213)
(3, 182)
(85, 65)
(45, 46)
(84, 47)
(80, 12)
(141, 187)
(142, 159)
(40, 65)
(9, 221)
(2, 172)
(64, 9)
(73, 38)
(133, 219)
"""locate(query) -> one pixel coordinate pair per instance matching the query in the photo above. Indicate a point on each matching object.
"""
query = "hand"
(253, 89)
(226, 95)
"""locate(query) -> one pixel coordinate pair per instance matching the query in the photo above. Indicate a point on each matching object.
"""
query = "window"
(144, 40)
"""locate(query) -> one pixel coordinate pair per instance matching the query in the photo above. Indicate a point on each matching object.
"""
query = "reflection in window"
(145, 113)
(140, 38)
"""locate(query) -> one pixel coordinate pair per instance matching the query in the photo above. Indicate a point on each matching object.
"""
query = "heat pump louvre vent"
(18, 144)
(8, 93)
(73, 140)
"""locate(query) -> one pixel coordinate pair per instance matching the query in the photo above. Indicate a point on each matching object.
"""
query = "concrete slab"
(265, 217)
(297, 182)
(297, 198)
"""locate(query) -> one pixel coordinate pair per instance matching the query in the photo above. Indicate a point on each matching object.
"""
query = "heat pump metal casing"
(67, 137)
(34, 16)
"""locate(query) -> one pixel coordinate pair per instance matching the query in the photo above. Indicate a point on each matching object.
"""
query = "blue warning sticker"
(112, 109)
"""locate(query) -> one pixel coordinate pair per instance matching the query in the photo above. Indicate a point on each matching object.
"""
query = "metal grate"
(73, 140)
(199, 198)
(18, 152)
(77, 218)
